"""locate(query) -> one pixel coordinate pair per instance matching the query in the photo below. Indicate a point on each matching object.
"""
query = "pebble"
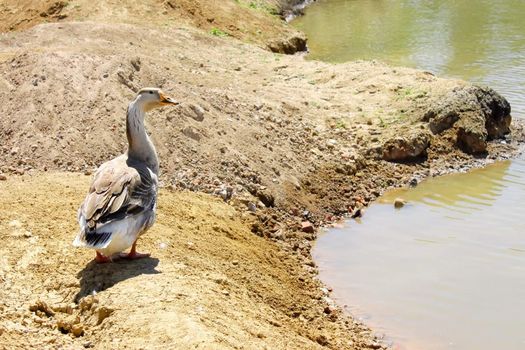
(192, 133)
(307, 226)
(3, 177)
(198, 113)
(103, 313)
(252, 207)
(77, 330)
(330, 143)
(41, 306)
(87, 302)
(322, 340)
(399, 203)
(357, 213)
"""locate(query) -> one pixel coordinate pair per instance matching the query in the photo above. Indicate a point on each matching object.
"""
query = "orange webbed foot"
(133, 254)
(102, 259)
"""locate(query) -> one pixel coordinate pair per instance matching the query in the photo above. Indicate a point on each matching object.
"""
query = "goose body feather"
(119, 206)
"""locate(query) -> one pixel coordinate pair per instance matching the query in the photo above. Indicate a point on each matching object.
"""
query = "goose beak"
(166, 100)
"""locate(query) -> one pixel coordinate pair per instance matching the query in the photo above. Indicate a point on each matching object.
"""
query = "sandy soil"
(254, 21)
(289, 145)
(210, 283)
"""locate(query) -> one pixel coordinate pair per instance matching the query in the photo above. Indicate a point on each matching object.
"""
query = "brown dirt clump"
(210, 282)
(257, 22)
(23, 14)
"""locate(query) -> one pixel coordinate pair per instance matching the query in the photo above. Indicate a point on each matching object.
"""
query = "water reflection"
(445, 271)
(482, 41)
(472, 191)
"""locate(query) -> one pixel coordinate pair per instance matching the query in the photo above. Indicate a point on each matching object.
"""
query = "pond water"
(482, 41)
(447, 271)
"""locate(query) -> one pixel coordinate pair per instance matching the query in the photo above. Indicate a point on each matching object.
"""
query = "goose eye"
(151, 92)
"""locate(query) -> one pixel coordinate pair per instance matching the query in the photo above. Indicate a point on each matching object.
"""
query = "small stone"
(41, 306)
(77, 330)
(330, 143)
(407, 147)
(3, 177)
(103, 313)
(357, 213)
(252, 207)
(307, 226)
(373, 345)
(192, 133)
(87, 302)
(198, 113)
(322, 340)
(399, 203)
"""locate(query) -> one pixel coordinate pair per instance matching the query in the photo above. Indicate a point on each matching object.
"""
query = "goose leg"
(133, 254)
(102, 259)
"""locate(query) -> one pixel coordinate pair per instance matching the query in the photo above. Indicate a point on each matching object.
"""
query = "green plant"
(217, 32)
(340, 124)
(410, 93)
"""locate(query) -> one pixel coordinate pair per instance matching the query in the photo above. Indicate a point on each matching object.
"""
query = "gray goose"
(122, 198)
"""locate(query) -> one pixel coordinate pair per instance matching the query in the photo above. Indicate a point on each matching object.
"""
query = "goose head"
(149, 98)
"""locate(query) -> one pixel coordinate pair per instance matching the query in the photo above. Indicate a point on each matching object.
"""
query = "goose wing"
(120, 188)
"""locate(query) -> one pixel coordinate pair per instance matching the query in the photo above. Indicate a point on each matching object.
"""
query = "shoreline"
(289, 145)
(294, 8)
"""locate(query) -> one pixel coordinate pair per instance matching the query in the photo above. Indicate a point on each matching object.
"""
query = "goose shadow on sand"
(99, 277)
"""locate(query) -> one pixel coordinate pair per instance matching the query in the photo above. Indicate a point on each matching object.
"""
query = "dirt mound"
(256, 22)
(23, 14)
(210, 282)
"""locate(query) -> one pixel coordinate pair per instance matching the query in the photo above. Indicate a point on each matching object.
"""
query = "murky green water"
(448, 270)
(481, 41)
